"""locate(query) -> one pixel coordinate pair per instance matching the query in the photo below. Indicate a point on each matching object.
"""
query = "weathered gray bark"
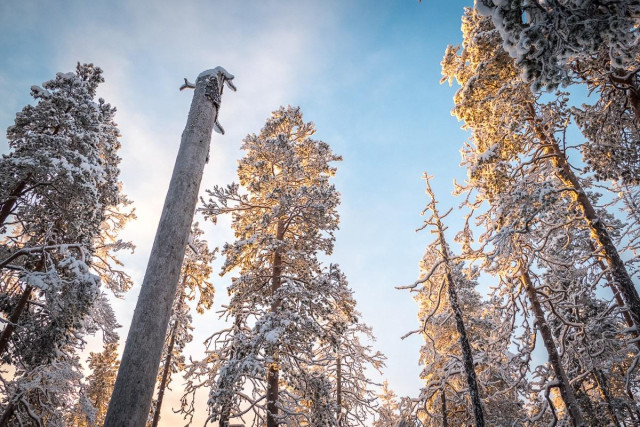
(273, 374)
(134, 385)
(566, 391)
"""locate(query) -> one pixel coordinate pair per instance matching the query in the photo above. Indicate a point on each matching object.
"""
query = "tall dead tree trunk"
(566, 391)
(273, 375)
(134, 385)
(599, 232)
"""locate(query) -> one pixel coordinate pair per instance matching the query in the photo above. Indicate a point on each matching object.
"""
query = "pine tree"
(346, 359)
(104, 368)
(509, 124)
(61, 210)
(394, 411)
(468, 377)
(440, 268)
(280, 301)
(388, 413)
(584, 43)
(548, 39)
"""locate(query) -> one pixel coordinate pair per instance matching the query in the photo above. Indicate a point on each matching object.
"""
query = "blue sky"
(365, 72)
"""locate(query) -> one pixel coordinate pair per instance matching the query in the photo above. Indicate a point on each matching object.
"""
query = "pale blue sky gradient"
(365, 72)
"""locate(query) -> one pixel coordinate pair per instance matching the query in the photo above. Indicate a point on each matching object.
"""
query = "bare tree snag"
(133, 390)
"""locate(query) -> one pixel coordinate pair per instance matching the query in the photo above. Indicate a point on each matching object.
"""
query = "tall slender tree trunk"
(467, 354)
(165, 375)
(166, 372)
(133, 390)
(339, 388)
(9, 204)
(566, 391)
(273, 376)
(13, 319)
(226, 410)
(603, 387)
(599, 232)
(443, 408)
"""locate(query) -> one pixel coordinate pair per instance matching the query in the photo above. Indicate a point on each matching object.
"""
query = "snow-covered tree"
(346, 358)
(46, 395)
(196, 269)
(99, 385)
(388, 412)
(566, 42)
(468, 373)
(61, 211)
(513, 131)
(441, 278)
(280, 300)
(549, 39)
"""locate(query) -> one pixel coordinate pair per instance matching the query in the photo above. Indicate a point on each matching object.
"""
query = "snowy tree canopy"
(548, 39)
(61, 210)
